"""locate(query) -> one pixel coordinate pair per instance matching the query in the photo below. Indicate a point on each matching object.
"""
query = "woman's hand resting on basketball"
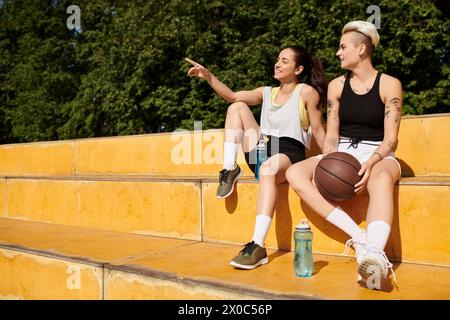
(366, 168)
(198, 70)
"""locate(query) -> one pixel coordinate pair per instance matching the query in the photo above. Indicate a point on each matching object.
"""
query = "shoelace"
(349, 243)
(386, 260)
(352, 242)
(249, 248)
(223, 175)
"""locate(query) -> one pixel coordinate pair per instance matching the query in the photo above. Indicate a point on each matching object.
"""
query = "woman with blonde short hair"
(363, 118)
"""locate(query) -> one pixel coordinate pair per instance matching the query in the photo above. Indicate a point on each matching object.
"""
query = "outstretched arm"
(251, 98)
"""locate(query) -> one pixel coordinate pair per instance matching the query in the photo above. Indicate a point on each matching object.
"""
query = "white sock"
(378, 234)
(340, 219)
(262, 227)
(229, 155)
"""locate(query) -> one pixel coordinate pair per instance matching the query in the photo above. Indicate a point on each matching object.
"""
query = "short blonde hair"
(366, 28)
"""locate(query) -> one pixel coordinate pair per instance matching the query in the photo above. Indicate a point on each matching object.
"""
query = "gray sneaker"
(227, 179)
(250, 257)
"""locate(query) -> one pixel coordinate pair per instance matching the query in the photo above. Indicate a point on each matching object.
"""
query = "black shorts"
(293, 149)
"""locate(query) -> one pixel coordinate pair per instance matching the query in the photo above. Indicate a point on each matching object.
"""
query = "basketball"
(336, 175)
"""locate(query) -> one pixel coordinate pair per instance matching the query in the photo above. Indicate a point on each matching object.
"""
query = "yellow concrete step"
(171, 208)
(45, 261)
(420, 230)
(424, 149)
(188, 209)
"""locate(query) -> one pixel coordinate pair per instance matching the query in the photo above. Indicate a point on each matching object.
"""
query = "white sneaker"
(359, 244)
(375, 264)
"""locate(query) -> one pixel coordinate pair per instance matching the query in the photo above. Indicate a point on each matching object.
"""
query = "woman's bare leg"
(300, 178)
(239, 123)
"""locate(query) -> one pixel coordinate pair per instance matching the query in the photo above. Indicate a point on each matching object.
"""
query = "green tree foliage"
(125, 73)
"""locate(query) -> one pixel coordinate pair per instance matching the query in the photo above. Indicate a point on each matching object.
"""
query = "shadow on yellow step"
(188, 209)
(333, 278)
(124, 266)
(419, 231)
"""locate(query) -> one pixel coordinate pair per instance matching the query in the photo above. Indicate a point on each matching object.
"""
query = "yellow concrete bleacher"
(136, 217)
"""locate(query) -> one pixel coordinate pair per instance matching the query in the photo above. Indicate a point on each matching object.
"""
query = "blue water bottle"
(303, 258)
(261, 155)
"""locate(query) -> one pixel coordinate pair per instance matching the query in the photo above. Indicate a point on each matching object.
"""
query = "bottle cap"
(303, 226)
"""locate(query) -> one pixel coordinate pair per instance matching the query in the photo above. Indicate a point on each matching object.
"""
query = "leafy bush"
(125, 74)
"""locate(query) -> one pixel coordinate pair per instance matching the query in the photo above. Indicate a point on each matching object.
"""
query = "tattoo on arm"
(391, 144)
(331, 111)
(395, 102)
(330, 105)
(332, 142)
(378, 154)
(387, 111)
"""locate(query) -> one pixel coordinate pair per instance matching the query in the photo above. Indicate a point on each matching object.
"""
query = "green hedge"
(125, 73)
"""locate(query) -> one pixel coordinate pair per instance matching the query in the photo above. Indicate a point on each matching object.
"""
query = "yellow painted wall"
(424, 146)
(26, 276)
(424, 224)
(54, 201)
(156, 208)
(2, 197)
(199, 153)
(178, 154)
(43, 158)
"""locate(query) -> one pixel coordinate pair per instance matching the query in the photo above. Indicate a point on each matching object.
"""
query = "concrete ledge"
(2, 197)
(58, 262)
(189, 209)
(200, 153)
(30, 276)
(157, 208)
(49, 158)
(81, 245)
(420, 230)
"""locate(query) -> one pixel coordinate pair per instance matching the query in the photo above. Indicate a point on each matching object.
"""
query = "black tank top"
(361, 116)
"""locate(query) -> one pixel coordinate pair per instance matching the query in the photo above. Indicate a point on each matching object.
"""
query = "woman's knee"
(268, 170)
(294, 177)
(380, 179)
(237, 107)
(290, 174)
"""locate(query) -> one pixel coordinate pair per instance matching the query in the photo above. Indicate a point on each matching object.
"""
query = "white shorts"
(361, 150)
